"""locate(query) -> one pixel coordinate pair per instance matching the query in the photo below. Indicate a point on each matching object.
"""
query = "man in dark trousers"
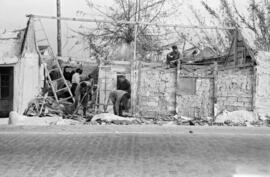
(82, 95)
(119, 98)
(123, 84)
(172, 57)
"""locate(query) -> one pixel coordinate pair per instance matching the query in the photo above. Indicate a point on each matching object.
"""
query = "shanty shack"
(20, 78)
(203, 85)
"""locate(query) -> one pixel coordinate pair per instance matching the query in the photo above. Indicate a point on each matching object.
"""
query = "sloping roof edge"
(29, 40)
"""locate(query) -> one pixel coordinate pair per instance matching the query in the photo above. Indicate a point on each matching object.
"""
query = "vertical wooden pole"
(59, 37)
(134, 75)
(178, 70)
(215, 75)
(235, 47)
(253, 88)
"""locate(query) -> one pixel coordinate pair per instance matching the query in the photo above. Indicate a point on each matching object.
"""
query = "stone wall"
(234, 89)
(160, 96)
(200, 103)
(157, 92)
(262, 96)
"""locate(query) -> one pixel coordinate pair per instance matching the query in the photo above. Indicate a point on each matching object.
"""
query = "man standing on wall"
(172, 57)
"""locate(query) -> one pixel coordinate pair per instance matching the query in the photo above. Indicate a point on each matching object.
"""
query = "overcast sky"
(12, 12)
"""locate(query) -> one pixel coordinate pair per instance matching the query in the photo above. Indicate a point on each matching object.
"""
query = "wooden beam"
(134, 76)
(59, 35)
(215, 76)
(198, 77)
(130, 22)
(238, 66)
(235, 47)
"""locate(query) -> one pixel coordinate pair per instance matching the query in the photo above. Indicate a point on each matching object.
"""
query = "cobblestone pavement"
(132, 151)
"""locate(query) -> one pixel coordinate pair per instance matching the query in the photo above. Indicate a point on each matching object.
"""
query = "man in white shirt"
(75, 80)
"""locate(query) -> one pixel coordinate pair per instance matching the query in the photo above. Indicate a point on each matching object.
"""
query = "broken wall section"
(107, 79)
(234, 89)
(195, 91)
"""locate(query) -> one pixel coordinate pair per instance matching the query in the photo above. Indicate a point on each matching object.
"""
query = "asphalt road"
(132, 151)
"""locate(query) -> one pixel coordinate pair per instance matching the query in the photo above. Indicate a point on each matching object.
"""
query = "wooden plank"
(134, 76)
(215, 75)
(130, 22)
(198, 77)
(238, 66)
(235, 47)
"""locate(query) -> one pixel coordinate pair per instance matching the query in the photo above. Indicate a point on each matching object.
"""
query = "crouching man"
(120, 100)
(82, 94)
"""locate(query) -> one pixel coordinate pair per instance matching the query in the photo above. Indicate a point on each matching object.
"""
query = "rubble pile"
(241, 118)
(108, 118)
(44, 106)
(48, 107)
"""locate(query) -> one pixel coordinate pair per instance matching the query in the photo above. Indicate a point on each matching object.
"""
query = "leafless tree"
(105, 35)
(256, 20)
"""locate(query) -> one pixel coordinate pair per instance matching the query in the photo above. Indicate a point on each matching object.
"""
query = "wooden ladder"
(44, 41)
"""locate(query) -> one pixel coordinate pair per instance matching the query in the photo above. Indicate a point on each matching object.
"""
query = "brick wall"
(234, 89)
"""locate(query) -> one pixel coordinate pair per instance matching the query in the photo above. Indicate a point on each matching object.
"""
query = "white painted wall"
(26, 81)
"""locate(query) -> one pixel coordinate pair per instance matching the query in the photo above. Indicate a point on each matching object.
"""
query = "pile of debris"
(242, 118)
(108, 118)
(46, 106)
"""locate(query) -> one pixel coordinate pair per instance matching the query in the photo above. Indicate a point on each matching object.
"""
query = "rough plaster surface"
(26, 67)
(157, 92)
(10, 47)
(199, 104)
(26, 81)
(234, 89)
(262, 96)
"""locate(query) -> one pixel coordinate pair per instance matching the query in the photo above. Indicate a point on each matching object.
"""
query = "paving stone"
(112, 154)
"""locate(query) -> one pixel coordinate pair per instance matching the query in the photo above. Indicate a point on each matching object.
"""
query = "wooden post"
(134, 75)
(253, 88)
(235, 47)
(215, 75)
(59, 37)
(178, 69)
(176, 80)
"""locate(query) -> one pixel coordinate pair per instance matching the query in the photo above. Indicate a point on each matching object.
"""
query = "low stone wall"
(234, 89)
(157, 92)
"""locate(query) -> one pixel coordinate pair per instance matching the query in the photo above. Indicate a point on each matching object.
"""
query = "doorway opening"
(6, 91)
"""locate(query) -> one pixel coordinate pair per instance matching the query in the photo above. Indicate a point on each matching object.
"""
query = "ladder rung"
(58, 79)
(41, 50)
(65, 88)
(55, 69)
(41, 40)
(64, 99)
